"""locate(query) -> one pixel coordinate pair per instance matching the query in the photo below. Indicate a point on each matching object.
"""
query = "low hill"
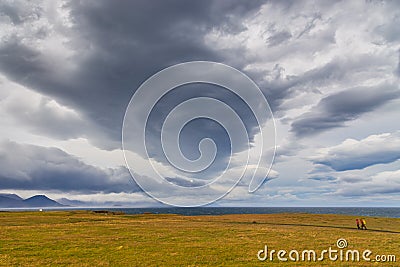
(9, 202)
(38, 201)
(13, 196)
(41, 201)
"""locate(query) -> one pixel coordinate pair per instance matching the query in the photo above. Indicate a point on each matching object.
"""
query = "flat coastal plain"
(87, 238)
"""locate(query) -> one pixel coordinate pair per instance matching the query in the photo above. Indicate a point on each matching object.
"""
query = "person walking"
(363, 224)
(358, 224)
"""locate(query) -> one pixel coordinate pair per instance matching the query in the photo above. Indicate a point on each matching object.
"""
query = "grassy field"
(82, 238)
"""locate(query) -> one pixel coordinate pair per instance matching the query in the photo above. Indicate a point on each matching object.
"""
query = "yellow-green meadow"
(84, 238)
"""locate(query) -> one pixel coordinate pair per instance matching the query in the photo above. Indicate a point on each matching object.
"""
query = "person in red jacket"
(358, 224)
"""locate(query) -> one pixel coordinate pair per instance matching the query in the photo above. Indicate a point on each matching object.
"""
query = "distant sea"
(364, 211)
(373, 212)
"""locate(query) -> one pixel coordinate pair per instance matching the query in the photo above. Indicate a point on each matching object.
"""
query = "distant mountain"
(13, 196)
(41, 201)
(38, 201)
(9, 202)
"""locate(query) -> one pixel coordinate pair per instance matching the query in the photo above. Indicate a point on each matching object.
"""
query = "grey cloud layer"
(94, 54)
(383, 183)
(335, 110)
(29, 167)
(44, 115)
(115, 48)
(398, 66)
(353, 154)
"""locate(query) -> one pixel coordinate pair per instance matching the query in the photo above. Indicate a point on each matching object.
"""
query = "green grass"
(84, 238)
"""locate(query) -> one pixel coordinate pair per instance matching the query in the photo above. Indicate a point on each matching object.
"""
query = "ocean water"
(372, 211)
(364, 211)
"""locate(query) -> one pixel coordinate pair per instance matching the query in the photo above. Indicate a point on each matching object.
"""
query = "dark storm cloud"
(118, 46)
(335, 110)
(198, 129)
(278, 87)
(29, 167)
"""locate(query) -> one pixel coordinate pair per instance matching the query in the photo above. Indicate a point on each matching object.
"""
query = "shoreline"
(381, 212)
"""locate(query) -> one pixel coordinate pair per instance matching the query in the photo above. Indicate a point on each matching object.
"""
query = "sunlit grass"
(86, 239)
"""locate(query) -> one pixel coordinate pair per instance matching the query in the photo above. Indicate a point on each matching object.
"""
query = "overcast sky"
(329, 70)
